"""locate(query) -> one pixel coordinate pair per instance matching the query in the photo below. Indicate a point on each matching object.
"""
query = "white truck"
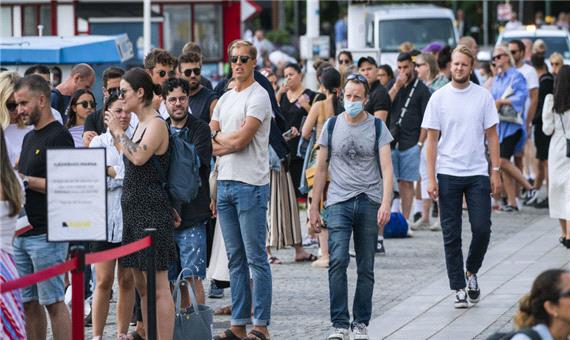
(378, 30)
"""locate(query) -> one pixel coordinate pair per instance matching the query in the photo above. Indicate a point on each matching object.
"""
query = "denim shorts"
(191, 243)
(33, 254)
(406, 164)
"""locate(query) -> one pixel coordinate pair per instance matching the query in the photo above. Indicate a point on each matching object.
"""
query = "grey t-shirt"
(353, 166)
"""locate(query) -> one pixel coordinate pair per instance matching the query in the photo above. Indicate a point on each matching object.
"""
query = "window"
(34, 15)
(208, 30)
(419, 32)
(177, 27)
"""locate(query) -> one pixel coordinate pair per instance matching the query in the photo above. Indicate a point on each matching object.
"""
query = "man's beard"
(34, 116)
(462, 80)
(194, 87)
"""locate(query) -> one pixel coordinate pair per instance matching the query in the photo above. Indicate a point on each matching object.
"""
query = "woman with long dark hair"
(145, 202)
(82, 104)
(546, 309)
(11, 201)
(556, 122)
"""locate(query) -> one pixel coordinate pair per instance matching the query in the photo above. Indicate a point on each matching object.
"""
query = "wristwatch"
(26, 182)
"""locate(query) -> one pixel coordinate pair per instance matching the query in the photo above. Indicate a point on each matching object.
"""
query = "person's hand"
(304, 101)
(177, 219)
(112, 122)
(401, 80)
(213, 208)
(383, 214)
(111, 171)
(88, 137)
(315, 218)
(496, 184)
(433, 189)
(499, 102)
(284, 88)
(294, 132)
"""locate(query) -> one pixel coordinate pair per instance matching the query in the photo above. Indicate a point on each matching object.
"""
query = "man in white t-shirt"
(464, 115)
(240, 138)
(517, 49)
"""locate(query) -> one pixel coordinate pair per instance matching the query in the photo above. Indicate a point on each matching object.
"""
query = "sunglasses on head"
(498, 56)
(188, 72)
(11, 106)
(87, 103)
(242, 58)
(358, 78)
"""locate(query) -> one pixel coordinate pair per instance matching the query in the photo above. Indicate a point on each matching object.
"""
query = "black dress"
(145, 205)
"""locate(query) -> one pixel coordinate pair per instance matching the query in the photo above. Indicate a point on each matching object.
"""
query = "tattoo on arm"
(128, 145)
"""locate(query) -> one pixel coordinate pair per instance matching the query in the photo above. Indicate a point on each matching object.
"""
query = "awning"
(91, 49)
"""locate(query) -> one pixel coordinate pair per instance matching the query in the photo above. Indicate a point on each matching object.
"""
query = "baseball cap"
(367, 59)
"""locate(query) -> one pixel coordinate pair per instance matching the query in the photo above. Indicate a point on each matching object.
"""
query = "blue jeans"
(242, 210)
(191, 243)
(358, 214)
(477, 191)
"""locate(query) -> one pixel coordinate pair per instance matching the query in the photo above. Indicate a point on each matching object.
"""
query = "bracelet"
(497, 169)
(420, 144)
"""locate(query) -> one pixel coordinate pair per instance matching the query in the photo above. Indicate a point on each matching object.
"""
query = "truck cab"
(382, 28)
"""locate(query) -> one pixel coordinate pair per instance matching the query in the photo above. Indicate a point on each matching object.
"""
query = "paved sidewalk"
(508, 271)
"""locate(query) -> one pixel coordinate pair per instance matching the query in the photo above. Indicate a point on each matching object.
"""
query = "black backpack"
(531, 333)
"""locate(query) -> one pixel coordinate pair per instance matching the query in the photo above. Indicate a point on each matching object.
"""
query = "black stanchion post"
(77, 293)
(151, 285)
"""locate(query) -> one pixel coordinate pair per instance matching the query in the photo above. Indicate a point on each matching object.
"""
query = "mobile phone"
(288, 134)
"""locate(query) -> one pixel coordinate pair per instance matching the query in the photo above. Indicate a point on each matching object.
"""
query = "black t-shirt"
(378, 100)
(411, 124)
(33, 163)
(545, 86)
(199, 209)
(294, 114)
(200, 103)
(60, 102)
(94, 122)
(206, 83)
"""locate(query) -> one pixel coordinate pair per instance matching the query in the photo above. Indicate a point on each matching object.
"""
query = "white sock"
(418, 206)
(396, 205)
(380, 238)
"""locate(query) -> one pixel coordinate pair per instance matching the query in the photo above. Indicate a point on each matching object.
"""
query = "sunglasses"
(514, 51)
(174, 100)
(498, 56)
(344, 61)
(242, 58)
(121, 93)
(87, 103)
(11, 106)
(564, 294)
(162, 73)
(358, 78)
(420, 64)
(555, 64)
(188, 72)
(113, 91)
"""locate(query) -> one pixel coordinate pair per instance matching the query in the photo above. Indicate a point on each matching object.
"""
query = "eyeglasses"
(121, 93)
(420, 64)
(87, 103)
(564, 294)
(11, 106)
(188, 72)
(556, 64)
(174, 100)
(242, 58)
(498, 56)
(344, 61)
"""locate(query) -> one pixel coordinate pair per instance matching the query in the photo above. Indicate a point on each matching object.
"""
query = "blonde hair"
(429, 59)
(556, 57)
(467, 52)
(243, 43)
(405, 47)
(539, 44)
(506, 51)
(7, 81)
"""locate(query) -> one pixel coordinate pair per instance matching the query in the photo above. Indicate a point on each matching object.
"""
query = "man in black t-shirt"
(378, 100)
(201, 99)
(406, 118)
(94, 124)
(32, 251)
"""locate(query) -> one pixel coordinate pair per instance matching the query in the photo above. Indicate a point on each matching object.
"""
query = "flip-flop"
(310, 258)
(228, 335)
(226, 310)
(255, 335)
(274, 260)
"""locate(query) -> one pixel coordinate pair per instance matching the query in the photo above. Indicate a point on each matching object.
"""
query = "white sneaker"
(339, 334)
(359, 331)
(436, 226)
(419, 225)
(460, 299)
(410, 231)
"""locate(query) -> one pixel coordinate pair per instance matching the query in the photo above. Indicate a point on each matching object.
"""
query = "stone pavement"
(411, 296)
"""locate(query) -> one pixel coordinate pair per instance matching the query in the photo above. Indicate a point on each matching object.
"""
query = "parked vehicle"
(556, 40)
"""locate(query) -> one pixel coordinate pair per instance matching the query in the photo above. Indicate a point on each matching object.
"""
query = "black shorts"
(103, 245)
(542, 143)
(507, 147)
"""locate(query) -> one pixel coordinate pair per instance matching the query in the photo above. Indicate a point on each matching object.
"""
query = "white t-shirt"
(462, 116)
(531, 77)
(14, 138)
(250, 165)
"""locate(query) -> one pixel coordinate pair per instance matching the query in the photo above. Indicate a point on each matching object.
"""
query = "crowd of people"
(439, 134)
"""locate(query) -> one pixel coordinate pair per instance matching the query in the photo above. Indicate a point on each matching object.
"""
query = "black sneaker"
(460, 299)
(509, 208)
(417, 216)
(380, 249)
(88, 322)
(215, 292)
(530, 196)
(473, 291)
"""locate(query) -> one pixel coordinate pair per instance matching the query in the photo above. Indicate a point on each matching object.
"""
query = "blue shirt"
(340, 30)
(518, 83)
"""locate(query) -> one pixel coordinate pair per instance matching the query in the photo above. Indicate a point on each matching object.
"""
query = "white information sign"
(76, 195)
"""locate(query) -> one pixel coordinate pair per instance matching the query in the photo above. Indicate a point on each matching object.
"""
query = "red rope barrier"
(70, 265)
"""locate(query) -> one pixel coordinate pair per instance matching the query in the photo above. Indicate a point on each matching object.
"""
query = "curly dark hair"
(158, 56)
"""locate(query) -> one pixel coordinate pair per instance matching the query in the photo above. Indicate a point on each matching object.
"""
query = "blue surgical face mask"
(352, 108)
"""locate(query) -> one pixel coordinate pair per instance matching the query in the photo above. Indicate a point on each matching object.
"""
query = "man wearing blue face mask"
(354, 149)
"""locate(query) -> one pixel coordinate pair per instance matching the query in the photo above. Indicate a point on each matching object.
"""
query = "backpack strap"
(531, 333)
(378, 128)
(330, 129)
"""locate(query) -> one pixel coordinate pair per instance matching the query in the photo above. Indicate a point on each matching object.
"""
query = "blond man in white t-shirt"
(464, 115)
(240, 138)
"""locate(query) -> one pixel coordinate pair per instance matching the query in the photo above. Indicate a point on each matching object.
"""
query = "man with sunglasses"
(240, 138)
(159, 64)
(94, 124)
(354, 149)
(201, 99)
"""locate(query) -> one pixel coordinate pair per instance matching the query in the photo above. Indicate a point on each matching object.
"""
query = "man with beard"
(201, 99)
(463, 114)
(32, 251)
